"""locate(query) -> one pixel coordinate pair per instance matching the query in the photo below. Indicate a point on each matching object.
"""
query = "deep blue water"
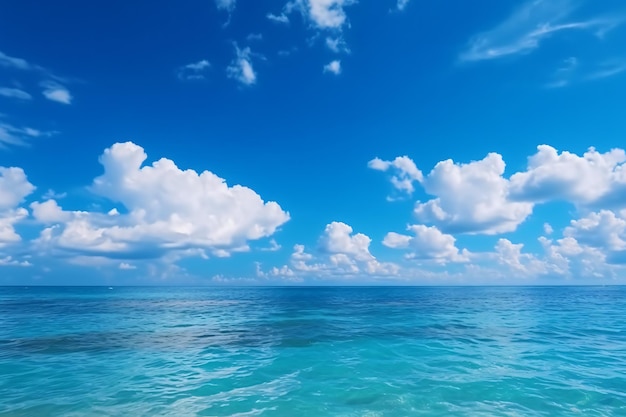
(479, 351)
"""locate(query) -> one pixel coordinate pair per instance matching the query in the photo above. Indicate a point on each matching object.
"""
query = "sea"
(320, 351)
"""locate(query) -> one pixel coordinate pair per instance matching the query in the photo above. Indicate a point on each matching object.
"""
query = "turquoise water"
(488, 351)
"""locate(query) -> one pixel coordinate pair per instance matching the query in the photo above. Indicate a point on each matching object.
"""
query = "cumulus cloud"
(194, 71)
(333, 67)
(427, 243)
(529, 26)
(340, 254)
(569, 258)
(510, 255)
(15, 93)
(471, 198)
(327, 14)
(604, 230)
(49, 212)
(14, 187)
(240, 68)
(167, 211)
(54, 91)
(591, 178)
(475, 197)
(8, 219)
(404, 172)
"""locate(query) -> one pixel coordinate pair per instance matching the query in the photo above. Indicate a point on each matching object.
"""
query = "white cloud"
(241, 68)
(604, 230)
(333, 67)
(284, 273)
(529, 26)
(254, 37)
(337, 44)
(56, 92)
(547, 229)
(569, 258)
(8, 219)
(126, 266)
(280, 18)
(227, 5)
(12, 62)
(510, 255)
(477, 198)
(15, 93)
(9, 261)
(49, 212)
(18, 136)
(54, 195)
(427, 243)
(341, 254)
(583, 180)
(471, 198)
(194, 71)
(327, 14)
(273, 247)
(338, 238)
(401, 5)
(14, 187)
(404, 170)
(608, 69)
(169, 211)
(322, 14)
(565, 73)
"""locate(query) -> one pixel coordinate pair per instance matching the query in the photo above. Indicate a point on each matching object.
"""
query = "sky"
(312, 142)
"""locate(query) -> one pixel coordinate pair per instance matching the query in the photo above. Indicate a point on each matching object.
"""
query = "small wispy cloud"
(333, 67)
(54, 91)
(15, 93)
(52, 195)
(227, 5)
(401, 5)
(194, 71)
(529, 26)
(278, 18)
(273, 247)
(572, 72)
(18, 136)
(565, 73)
(9, 261)
(254, 37)
(13, 62)
(337, 45)
(240, 68)
(607, 70)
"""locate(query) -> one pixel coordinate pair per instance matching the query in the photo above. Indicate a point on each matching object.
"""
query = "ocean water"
(480, 351)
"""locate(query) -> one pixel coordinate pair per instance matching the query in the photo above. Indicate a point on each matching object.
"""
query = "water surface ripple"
(491, 351)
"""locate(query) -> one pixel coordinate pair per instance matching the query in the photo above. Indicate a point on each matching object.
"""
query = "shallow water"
(488, 351)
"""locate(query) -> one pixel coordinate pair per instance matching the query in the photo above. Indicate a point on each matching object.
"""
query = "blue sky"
(312, 142)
